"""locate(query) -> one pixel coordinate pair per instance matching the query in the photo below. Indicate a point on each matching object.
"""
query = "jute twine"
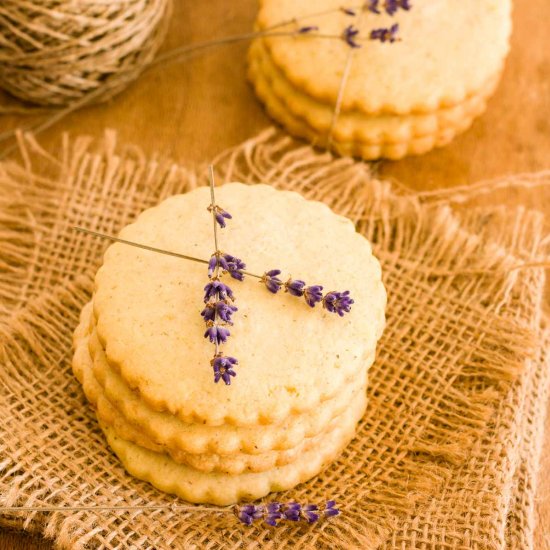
(446, 455)
(56, 53)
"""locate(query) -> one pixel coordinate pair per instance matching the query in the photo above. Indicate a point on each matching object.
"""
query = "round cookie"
(447, 51)
(355, 126)
(168, 430)
(368, 151)
(222, 489)
(147, 307)
(230, 464)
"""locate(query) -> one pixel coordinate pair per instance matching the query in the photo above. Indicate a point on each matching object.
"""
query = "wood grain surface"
(193, 109)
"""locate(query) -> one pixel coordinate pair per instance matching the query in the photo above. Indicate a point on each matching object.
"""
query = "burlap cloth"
(446, 455)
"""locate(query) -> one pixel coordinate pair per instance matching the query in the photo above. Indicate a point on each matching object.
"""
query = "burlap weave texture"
(446, 454)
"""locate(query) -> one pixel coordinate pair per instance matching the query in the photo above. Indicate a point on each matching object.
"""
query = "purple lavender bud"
(384, 34)
(225, 311)
(216, 334)
(291, 511)
(295, 287)
(391, 6)
(223, 370)
(330, 509)
(217, 290)
(271, 281)
(338, 302)
(215, 261)
(234, 266)
(349, 35)
(248, 513)
(349, 11)
(273, 513)
(310, 28)
(372, 5)
(311, 512)
(209, 312)
(220, 214)
(313, 294)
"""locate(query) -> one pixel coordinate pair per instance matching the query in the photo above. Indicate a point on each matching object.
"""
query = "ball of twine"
(62, 52)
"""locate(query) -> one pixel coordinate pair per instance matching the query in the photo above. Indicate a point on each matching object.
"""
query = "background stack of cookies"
(375, 99)
(301, 380)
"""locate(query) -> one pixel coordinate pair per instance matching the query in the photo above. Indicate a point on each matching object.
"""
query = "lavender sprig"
(334, 302)
(217, 295)
(275, 512)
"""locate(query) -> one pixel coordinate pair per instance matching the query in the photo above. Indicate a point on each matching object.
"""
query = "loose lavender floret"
(385, 34)
(216, 334)
(220, 214)
(313, 294)
(349, 35)
(310, 28)
(372, 5)
(219, 290)
(223, 369)
(275, 512)
(272, 281)
(338, 302)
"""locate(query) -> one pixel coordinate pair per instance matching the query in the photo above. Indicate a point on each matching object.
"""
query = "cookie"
(368, 151)
(356, 126)
(231, 464)
(168, 430)
(222, 489)
(446, 52)
(147, 307)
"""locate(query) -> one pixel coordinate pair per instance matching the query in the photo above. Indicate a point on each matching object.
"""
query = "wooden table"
(193, 109)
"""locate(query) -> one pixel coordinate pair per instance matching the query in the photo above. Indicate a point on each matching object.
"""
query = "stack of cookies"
(422, 77)
(300, 387)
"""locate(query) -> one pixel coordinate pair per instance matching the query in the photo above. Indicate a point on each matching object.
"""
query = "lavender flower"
(295, 287)
(313, 294)
(330, 509)
(292, 511)
(349, 35)
(234, 267)
(338, 302)
(220, 214)
(221, 308)
(223, 369)
(310, 28)
(372, 5)
(384, 34)
(216, 260)
(249, 512)
(274, 512)
(390, 6)
(271, 281)
(219, 290)
(216, 334)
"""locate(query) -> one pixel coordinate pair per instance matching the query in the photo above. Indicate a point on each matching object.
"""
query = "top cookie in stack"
(395, 98)
(302, 373)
